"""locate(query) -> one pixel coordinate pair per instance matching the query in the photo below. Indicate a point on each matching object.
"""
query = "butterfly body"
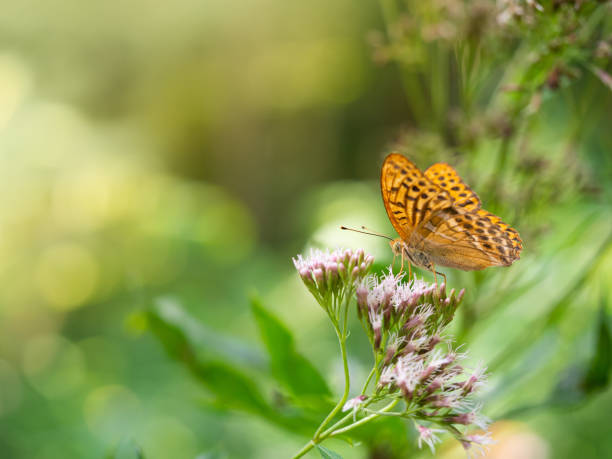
(415, 256)
(440, 220)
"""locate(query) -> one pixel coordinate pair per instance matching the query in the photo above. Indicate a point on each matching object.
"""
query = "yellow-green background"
(187, 150)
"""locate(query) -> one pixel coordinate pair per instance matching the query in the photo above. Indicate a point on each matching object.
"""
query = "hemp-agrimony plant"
(416, 373)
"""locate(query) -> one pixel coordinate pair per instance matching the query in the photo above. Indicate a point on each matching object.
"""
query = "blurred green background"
(177, 155)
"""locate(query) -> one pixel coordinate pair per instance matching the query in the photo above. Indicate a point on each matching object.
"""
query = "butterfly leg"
(435, 273)
(409, 267)
(443, 275)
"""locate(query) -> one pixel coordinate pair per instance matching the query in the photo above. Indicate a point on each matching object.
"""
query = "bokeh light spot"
(226, 230)
(110, 410)
(53, 365)
(165, 434)
(67, 275)
(82, 199)
(15, 81)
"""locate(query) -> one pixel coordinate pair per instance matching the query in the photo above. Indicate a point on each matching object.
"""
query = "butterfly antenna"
(371, 233)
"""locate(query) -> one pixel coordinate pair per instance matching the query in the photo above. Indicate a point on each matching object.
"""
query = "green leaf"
(327, 453)
(233, 388)
(289, 367)
(208, 343)
(598, 372)
(582, 380)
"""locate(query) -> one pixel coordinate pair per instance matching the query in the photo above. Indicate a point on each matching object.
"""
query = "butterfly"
(440, 220)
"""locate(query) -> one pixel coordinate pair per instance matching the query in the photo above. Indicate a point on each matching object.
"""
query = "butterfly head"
(397, 246)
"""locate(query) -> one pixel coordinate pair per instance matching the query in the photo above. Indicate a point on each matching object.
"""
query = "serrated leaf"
(289, 367)
(233, 388)
(206, 342)
(327, 453)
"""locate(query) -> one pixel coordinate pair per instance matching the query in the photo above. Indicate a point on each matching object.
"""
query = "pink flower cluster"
(405, 323)
(400, 310)
(331, 273)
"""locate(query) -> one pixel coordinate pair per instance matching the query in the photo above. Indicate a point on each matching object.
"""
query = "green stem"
(347, 380)
(342, 421)
(307, 447)
(365, 386)
(396, 414)
(389, 407)
(317, 436)
(334, 431)
(342, 401)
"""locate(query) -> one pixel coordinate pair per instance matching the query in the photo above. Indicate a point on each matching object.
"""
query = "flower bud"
(362, 295)
(331, 273)
(434, 385)
(406, 391)
(306, 276)
(359, 254)
(377, 338)
(409, 348)
(354, 402)
(414, 322)
(342, 270)
(433, 342)
(391, 350)
(463, 418)
(319, 275)
(426, 373)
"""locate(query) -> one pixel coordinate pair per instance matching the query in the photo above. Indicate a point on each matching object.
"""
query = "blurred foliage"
(160, 161)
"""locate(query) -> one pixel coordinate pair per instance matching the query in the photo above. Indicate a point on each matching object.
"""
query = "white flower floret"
(429, 437)
(354, 402)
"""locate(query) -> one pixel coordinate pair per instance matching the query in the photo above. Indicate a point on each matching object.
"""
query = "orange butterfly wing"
(466, 240)
(437, 213)
(468, 237)
(408, 195)
(447, 178)
(463, 196)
